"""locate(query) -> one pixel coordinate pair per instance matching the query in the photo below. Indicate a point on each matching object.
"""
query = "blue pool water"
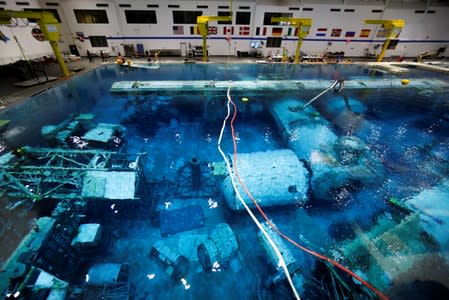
(377, 204)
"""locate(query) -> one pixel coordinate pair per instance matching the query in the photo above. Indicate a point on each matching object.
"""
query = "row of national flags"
(279, 31)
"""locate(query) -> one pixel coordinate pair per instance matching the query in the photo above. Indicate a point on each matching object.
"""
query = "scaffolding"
(41, 173)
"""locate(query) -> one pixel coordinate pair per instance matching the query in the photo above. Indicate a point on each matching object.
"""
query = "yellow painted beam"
(49, 26)
(398, 23)
(392, 28)
(47, 17)
(303, 25)
(203, 26)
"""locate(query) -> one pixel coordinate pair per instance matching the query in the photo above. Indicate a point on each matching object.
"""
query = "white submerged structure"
(279, 179)
(268, 85)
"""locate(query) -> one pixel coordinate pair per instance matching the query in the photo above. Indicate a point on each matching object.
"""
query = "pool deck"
(10, 93)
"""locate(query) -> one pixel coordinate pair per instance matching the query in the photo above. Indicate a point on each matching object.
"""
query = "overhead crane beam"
(48, 24)
(302, 24)
(203, 26)
(392, 28)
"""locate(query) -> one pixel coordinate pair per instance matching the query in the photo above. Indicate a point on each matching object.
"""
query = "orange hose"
(340, 266)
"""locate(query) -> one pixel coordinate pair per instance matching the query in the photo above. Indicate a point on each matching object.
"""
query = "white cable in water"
(323, 92)
(239, 196)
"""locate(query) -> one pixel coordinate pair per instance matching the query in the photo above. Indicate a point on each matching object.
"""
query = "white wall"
(423, 32)
(32, 48)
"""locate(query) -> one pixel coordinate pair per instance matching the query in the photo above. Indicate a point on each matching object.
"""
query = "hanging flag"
(3, 37)
(80, 36)
(381, 33)
(336, 32)
(212, 29)
(350, 34)
(228, 39)
(276, 31)
(178, 29)
(228, 30)
(365, 33)
(244, 30)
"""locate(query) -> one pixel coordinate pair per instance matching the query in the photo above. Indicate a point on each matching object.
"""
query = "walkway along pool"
(241, 181)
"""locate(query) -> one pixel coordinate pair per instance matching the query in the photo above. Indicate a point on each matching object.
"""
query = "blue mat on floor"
(183, 219)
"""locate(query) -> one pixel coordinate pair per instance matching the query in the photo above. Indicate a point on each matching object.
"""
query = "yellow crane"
(48, 24)
(203, 26)
(302, 24)
(392, 27)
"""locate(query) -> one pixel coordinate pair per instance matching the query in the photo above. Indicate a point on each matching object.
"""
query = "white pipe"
(322, 93)
(239, 196)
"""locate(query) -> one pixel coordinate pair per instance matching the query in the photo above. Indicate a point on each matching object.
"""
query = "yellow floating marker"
(244, 99)
(405, 81)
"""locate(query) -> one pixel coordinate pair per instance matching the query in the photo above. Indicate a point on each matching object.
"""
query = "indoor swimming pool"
(228, 181)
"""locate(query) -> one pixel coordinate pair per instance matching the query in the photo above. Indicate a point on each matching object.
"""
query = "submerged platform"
(129, 87)
(145, 66)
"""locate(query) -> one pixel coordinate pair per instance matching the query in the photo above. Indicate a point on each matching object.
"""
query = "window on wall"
(268, 15)
(274, 42)
(91, 16)
(52, 10)
(224, 13)
(243, 18)
(98, 41)
(140, 16)
(185, 16)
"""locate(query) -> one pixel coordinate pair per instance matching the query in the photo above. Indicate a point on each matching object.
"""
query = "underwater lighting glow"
(17, 294)
(185, 283)
(216, 267)
(87, 277)
(212, 204)
(167, 204)
(112, 206)
(151, 276)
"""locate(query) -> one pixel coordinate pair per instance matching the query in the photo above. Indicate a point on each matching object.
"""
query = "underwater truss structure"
(40, 173)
